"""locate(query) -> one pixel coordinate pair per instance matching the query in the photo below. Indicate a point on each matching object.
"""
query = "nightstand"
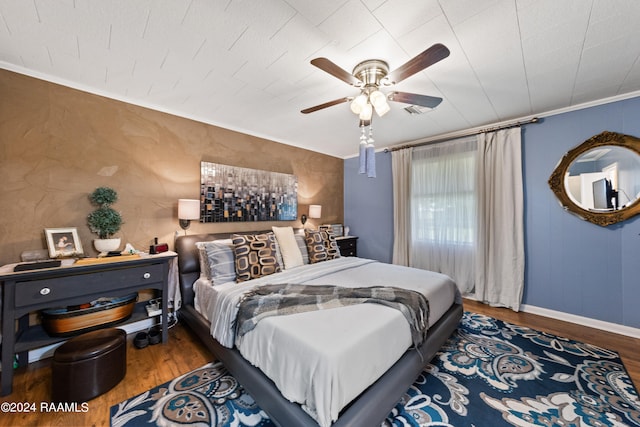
(348, 245)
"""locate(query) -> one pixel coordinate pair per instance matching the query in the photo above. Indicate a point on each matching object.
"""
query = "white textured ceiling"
(244, 64)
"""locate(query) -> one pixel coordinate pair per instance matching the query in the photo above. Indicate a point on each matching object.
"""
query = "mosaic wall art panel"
(234, 194)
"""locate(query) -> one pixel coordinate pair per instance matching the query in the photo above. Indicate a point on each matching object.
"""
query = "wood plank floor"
(154, 365)
(146, 368)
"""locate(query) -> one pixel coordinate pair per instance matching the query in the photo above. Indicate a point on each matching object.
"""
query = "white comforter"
(324, 359)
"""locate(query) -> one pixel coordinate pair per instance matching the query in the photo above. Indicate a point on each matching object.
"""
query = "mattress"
(324, 359)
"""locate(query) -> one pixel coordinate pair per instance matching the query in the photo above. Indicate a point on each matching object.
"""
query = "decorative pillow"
(302, 246)
(329, 239)
(205, 272)
(315, 246)
(220, 262)
(279, 254)
(291, 255)
(255, 255)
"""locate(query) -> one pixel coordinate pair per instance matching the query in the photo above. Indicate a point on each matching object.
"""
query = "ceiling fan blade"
(435, 53)
(329, 67)
(415, 99)
(326, 104)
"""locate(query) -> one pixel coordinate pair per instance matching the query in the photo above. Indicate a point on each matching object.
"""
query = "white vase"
(106, 245)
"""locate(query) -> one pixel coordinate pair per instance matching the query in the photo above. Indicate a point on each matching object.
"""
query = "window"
(443, 208)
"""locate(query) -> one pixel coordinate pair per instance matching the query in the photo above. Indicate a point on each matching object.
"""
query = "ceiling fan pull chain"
(371, 155)
(363, 151)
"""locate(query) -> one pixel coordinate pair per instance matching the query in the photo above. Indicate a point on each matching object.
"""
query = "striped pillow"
(205, 271)
(302, 245)
(220, 266)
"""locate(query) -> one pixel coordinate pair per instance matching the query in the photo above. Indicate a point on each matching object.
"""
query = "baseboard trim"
(584, 321)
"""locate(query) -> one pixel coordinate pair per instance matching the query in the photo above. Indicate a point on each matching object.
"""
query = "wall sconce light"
(188, 209)
(315, 211)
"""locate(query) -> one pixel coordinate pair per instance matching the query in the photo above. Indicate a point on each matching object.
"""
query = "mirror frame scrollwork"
(557, 179)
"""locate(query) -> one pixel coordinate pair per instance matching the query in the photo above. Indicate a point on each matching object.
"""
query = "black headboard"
(189, 263)
(189, 260)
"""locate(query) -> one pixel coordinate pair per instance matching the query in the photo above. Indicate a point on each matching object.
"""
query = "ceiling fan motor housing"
(371, 72)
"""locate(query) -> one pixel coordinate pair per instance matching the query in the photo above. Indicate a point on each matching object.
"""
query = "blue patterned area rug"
(490, 373)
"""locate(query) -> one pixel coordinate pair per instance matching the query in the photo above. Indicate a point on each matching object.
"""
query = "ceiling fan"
(370, 75)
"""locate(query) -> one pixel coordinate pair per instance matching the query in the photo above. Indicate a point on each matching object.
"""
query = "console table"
(28, 291)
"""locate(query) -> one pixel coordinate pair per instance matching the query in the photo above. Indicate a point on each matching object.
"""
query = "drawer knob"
(146, 275)
(45, 291)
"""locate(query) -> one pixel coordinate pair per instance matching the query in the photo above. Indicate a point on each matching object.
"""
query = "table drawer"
(348, 247)
(348, 244)
(59, 288)
(348, 251)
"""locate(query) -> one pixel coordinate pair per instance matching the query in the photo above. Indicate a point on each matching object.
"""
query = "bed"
(371, 405)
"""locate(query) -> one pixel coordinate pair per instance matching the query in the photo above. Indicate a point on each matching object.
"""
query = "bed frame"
(368, 409)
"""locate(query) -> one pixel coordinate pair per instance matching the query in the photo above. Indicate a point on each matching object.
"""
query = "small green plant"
(104, 221)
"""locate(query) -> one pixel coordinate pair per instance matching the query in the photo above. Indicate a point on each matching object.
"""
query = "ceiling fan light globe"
(358, 103)
(366, 112)
(382, 109)
(377, 98)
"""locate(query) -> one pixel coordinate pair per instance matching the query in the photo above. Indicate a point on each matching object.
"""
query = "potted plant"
(104, 221)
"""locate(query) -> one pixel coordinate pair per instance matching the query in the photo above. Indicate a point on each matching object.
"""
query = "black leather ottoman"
(88, 365)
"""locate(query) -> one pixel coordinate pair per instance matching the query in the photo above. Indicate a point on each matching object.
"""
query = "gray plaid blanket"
(274, 300)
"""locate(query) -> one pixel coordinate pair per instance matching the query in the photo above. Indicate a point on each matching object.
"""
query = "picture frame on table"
(63, 242)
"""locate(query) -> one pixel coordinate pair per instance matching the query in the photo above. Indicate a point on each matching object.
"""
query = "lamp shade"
(188, 209)
(315, 211)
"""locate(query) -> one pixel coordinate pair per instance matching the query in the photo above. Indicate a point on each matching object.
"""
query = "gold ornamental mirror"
(599, 180)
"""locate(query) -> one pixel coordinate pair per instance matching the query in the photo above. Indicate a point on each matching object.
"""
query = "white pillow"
(291, 255)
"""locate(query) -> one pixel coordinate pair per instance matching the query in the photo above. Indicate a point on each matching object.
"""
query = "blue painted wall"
(572, 266)
(368, 208)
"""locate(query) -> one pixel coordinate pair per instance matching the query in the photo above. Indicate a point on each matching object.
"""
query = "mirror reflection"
(604, 178)
(599, 180)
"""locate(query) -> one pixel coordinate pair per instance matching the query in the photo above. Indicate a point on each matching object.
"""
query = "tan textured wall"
(59, 144)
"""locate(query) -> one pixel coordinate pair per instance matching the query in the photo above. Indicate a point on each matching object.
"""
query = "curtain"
(401, 170)
(500, 241)
(443, 210)
(458, 210)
